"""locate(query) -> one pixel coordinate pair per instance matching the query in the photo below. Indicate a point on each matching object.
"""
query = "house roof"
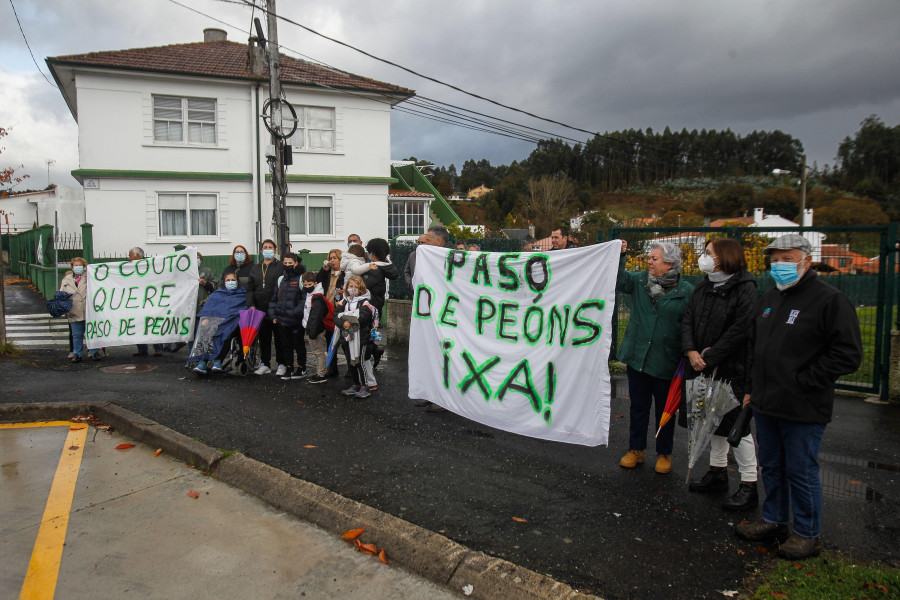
(407, 194)
(218, 59)
(721, 222)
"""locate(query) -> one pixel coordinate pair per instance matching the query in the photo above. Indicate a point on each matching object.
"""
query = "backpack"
(328, 319)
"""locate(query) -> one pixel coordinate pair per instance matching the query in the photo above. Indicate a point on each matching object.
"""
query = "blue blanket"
(217, 322)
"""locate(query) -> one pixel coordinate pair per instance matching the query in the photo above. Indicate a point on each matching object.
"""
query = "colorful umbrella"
(674, 397)
(332, 348)
(248, 321)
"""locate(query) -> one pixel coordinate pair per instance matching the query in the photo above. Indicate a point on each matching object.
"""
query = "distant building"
(839, 257)
(477, 193)
(59, 204)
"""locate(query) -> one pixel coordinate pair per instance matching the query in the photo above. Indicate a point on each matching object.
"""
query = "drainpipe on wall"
(259, 182)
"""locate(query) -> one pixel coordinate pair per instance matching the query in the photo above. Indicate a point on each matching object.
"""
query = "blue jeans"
(644, 389)
(78, 339)
(788, 455)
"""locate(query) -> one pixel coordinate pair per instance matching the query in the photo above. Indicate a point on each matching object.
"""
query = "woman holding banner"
(75, 283)
(651, 347)
(715, 336)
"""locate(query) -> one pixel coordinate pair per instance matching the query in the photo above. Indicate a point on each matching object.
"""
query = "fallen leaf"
(309, 446)
(468, 589)
(519, 520)
(103, 427)
(299, 401)
(20, 390)
(357, 544)
(855, 482)
(190, 466)
(779, 595)
(620, 416)
(730, 593)
(75, 428)
(741, 552)
(877, 586)
(193, 494)
(797, 565)
(192, 390)
(617, 515)
(124, 446)
(352, 534)
(368, 548)
(80, 418)
(763, 550)
(158, 452)
(74, 447)
(382, 556)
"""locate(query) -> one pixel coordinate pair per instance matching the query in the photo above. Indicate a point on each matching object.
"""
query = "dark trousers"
(292, 340)
(645, 391)
(266, 333)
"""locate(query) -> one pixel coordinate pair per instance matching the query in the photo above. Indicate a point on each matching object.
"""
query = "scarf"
(717, 278)
(657, 286)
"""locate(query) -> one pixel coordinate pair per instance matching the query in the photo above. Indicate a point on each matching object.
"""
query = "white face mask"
(352, 292)
(706, 263)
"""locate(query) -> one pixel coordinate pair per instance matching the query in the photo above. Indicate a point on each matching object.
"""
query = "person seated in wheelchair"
(217, 326)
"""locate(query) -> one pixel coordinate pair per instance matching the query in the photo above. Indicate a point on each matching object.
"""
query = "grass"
(829, 577)
(11, 350)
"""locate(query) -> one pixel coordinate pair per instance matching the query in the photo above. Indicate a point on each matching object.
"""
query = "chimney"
(531, 231)
(807, 218)
(256, 58)
(757, 215)
(211, 34)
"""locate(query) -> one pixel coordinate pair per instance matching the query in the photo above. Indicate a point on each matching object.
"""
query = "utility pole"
(802, 189)
(276, 159)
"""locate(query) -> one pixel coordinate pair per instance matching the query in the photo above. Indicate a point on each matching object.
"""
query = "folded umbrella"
(249, 321)
(674, 397)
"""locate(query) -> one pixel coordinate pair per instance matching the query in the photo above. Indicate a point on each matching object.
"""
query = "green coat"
(652, 342)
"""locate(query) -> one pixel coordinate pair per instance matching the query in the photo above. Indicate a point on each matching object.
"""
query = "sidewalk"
(566, 511)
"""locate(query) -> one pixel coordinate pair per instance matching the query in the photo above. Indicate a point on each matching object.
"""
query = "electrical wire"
(27, 45)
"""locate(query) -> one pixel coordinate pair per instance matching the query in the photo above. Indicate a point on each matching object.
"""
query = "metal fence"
(859, 261)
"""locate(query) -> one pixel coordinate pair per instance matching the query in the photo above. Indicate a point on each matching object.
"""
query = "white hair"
(670, 254)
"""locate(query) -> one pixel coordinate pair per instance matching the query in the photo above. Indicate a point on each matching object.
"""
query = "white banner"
(517, 341)
(147, 301)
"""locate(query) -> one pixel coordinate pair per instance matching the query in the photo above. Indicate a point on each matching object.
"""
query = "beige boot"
(632, 459)
(664, 463)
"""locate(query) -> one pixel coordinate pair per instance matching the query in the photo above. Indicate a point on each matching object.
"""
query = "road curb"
(425, 553)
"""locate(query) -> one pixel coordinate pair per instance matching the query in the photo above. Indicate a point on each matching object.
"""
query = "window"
(171, 116)
(406, 218)
(315, 128)
(842, 262)
(310, 215)
(180, 212)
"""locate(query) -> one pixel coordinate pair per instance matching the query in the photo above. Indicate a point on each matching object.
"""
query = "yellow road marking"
(43, 569)
(42, 424)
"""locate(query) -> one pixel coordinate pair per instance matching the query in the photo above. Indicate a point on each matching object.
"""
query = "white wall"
(22, 214)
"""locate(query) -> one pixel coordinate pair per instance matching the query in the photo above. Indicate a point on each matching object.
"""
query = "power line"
(27, 45)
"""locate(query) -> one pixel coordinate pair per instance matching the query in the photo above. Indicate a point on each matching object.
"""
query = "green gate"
(859, 261)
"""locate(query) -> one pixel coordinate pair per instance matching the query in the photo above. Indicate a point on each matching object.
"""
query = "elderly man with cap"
(806, 336)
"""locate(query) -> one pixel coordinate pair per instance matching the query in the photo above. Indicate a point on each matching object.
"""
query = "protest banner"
(146, 301)
(517, 341)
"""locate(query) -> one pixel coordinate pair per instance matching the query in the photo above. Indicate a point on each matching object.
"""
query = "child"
(353, 262)
(317, 320)
(286, 312)
(356, 304)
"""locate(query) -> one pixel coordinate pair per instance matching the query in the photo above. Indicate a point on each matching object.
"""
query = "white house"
(762, 220)
(172, 147)
(59, 204)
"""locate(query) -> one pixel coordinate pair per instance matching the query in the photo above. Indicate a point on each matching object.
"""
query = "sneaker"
(317, 379)
(95, 356)
(632, 459)
(351, 391)
(262, 370)
(70, 355)
(363, 392)
(280, 371)
(201, 367)
(298, 373)
(663, 464)
(435, 408)
(373, 388)
(217, 366)
(797, 547)
(762, 531)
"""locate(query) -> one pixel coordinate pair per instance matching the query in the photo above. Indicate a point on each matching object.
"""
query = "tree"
(730, 200)
(849, 211)
(782, 201)
(8, 175)
(677, 218)
(548, 202)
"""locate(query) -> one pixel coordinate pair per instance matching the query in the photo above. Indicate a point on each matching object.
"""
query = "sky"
(813, 70)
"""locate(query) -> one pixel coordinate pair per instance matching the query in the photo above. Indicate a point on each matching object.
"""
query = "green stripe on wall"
(112, 173)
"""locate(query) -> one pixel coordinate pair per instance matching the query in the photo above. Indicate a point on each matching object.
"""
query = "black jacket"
(805, 338)
(243, 275)
(376, 282)
(316, 322)
(261, 284)
(717, 319)
(286, 304)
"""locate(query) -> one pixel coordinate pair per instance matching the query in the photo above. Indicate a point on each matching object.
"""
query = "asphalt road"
(589, 523)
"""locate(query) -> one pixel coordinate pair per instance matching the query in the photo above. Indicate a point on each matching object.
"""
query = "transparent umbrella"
(708, 400)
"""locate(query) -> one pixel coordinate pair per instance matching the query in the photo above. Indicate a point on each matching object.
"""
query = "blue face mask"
(268, 254)
(231, 284)
(78, 269)
(239, 257)
(785, 273)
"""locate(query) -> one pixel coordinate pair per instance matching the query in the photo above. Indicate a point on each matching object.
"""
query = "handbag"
(741, 426)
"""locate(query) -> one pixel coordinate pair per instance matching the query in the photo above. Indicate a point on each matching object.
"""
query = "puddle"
(839, 486)
(857, 462)
(128, 368)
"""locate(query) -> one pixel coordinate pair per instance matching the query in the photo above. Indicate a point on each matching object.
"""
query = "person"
(460, 245)
(262, 280)
(651, 347)
(286, 312)
(473, 247)
(143, 350)
(241, 263)
(715, 338)
(380, 270)
(356, 309)
(225, 304)
(559, 238)
(437, 235)
(331, 277)
(806, 335)
(318, 322)
(207, 284)
(354, 239)
(353, 261)
(75, 283)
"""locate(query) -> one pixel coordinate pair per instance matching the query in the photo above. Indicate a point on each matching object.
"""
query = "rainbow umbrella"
(249, 320)
(674, 397)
